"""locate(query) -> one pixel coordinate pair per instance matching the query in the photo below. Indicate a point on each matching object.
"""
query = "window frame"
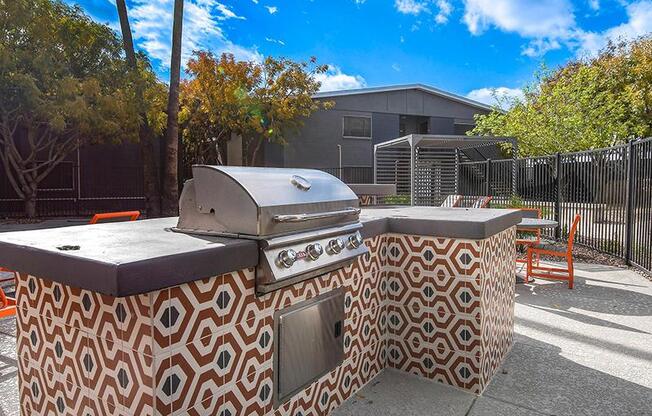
(371, 127)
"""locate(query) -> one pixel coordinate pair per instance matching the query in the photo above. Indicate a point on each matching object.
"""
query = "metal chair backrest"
(482, 202)
(451, 201)
(571, 234)
(132, 215)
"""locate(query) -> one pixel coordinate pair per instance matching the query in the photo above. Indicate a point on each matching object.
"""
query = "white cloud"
(396, 67)
(528, 18)
(546, 22)
(334, 79)
(539, 47)
(272, 40)
(411, 6)
(152, 26)
(495, 96)
(551, 24)
(639, 22)
(445, 9)
(271, 9)
(226, 13)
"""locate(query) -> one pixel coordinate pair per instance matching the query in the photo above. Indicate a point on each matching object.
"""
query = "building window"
(358, 127)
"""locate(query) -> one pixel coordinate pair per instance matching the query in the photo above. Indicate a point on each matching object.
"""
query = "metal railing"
(610, 188)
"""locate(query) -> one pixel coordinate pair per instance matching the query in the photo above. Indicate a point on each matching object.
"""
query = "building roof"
(389, 88)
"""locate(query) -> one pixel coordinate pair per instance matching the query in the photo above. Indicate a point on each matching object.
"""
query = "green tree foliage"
(259, 101)
(63, 83)
(586, 104)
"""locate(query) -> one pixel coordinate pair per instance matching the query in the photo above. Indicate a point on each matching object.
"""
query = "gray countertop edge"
(150, 274)
(130, 278)
(462, 228)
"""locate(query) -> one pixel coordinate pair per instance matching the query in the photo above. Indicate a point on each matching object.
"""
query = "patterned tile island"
(176, 328)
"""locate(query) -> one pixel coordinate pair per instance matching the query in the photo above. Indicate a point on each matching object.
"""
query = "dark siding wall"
(316, 144)
(442, 125)
(384, 127)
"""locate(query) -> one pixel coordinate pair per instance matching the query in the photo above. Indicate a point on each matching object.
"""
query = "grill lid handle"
(316, 216)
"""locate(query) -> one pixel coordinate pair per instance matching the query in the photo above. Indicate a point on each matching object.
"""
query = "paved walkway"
(586, 351)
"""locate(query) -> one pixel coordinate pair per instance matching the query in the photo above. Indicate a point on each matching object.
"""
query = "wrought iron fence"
(610, 188)
(81, 186)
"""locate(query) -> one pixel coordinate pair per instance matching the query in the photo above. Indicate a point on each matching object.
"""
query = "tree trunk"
(127, 41)
(151, 182)
(170, 201)
(30, 205)
(151, 178)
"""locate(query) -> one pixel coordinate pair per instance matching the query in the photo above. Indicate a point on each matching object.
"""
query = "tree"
(151, 181)
(170, 199)
(586, 104)
(261, 102)
(63, 83)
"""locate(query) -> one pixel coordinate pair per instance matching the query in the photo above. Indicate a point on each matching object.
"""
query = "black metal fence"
(610, 188)
(89, 181)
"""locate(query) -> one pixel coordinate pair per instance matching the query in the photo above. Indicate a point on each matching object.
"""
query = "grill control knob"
(355, 240)
(286, 258)
(314, 251)
(336, 245)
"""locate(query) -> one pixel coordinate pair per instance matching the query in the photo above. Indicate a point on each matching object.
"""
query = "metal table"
(537, 223)
(534, 223)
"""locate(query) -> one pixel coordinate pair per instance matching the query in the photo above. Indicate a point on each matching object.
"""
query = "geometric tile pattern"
(437, 307)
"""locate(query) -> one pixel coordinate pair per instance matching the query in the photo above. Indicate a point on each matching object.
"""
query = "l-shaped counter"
(133, 318)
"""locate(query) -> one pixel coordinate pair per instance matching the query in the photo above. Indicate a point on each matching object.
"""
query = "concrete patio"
(586, 351)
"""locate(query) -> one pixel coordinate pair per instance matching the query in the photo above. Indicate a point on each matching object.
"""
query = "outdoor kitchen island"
(135, 319)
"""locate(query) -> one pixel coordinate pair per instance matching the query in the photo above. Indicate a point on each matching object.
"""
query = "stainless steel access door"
(308, 342)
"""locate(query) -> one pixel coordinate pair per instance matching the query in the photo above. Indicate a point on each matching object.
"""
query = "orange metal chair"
(482, 202)
(132, 215)
(452, 201)
(534, 233)
(7, 279)
(7, 304)
(554, 273)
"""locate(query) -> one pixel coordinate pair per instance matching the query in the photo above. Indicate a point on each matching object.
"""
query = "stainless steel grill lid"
(263, 202)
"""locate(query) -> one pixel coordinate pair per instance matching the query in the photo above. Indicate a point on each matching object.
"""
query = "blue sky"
(467, 47)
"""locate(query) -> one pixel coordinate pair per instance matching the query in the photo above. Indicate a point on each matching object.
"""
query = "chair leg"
(571, 272)
(529, 266)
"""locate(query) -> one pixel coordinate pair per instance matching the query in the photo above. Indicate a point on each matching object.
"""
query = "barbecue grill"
(306, 221)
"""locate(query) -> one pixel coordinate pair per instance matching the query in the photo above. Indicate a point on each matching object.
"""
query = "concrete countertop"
(127, 258)
(124, 258)
(469, 223)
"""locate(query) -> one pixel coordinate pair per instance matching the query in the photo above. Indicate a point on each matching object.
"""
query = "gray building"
(364, 117)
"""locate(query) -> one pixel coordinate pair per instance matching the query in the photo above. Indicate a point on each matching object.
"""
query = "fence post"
(629, 214)
(457, 171)
(558, 195)
(487, 174)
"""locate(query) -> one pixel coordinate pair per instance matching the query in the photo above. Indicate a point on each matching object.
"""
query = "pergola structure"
(426, 168)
